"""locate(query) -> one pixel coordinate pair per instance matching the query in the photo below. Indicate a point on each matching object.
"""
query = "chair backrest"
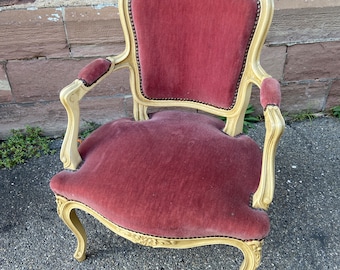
(193, 49)
(196, 53)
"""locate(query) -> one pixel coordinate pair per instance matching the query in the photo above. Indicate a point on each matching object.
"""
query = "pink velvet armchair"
(178, 178)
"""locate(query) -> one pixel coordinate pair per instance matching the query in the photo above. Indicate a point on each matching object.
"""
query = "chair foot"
(252, 254)
(68, 214)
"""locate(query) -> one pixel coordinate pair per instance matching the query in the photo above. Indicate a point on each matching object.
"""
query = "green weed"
(304, 115)
(88, 129)
(336, 111)
(23, 145)
(249, 119)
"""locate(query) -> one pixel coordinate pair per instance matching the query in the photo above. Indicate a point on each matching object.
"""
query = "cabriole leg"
(252, 255)
(68, 214)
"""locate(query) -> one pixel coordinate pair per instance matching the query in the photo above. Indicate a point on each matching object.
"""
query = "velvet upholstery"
(270, 93)
(181, 64)
(175, 175)
(94, 70)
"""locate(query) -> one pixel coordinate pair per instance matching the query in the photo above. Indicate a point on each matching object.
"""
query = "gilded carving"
(60, 203)
(145, 240)
(256, 247)
(150, 241)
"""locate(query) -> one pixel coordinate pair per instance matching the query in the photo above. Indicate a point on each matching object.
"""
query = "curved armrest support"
(70, 96)
(275, 124)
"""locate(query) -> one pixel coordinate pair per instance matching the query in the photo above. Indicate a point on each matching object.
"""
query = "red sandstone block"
(255, 101)
(117, 84)
(52, 118)
(102, 109)
(304, 25)
(128, 100)
(94, 31)
(42, 80)
(14, 2)
(313, 61)
(273, 60)
(101, 50)
(5, 88)
(32, 34)
(334, 95)
(304, 96)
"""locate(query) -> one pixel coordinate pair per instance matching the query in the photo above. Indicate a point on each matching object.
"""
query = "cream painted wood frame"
(253, 74)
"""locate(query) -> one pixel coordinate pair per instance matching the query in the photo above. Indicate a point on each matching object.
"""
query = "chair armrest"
(275, 124)
(270, 97)
(70, 96)
(270, 93)
(94, 71)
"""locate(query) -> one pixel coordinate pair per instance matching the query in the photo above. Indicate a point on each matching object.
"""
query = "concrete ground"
(304, 216)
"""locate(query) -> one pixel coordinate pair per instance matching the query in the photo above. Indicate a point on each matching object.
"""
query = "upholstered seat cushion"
(175, 175)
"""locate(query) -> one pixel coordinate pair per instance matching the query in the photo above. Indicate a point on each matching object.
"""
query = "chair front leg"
(67, 213)
(252, 252)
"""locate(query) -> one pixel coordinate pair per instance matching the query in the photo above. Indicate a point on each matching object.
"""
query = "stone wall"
(305, 41)
(42, 48)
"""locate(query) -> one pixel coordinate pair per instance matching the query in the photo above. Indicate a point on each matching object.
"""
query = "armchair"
(178, 178)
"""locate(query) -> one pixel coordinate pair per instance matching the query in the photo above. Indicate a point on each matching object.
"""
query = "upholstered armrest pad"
(270, 93)
(94, 70)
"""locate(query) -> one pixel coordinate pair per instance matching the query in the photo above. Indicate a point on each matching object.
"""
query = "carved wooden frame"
(66, 210)
(253, 74)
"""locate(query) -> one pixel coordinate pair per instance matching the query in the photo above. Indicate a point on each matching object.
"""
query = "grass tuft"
(88, 129)
(336, 111)
(302, 116)
(249, 119)
(23, 145)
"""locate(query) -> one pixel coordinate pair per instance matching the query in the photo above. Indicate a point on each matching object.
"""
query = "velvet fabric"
(193, 49)
(175, 175)
(270, 93)
(94, 70)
